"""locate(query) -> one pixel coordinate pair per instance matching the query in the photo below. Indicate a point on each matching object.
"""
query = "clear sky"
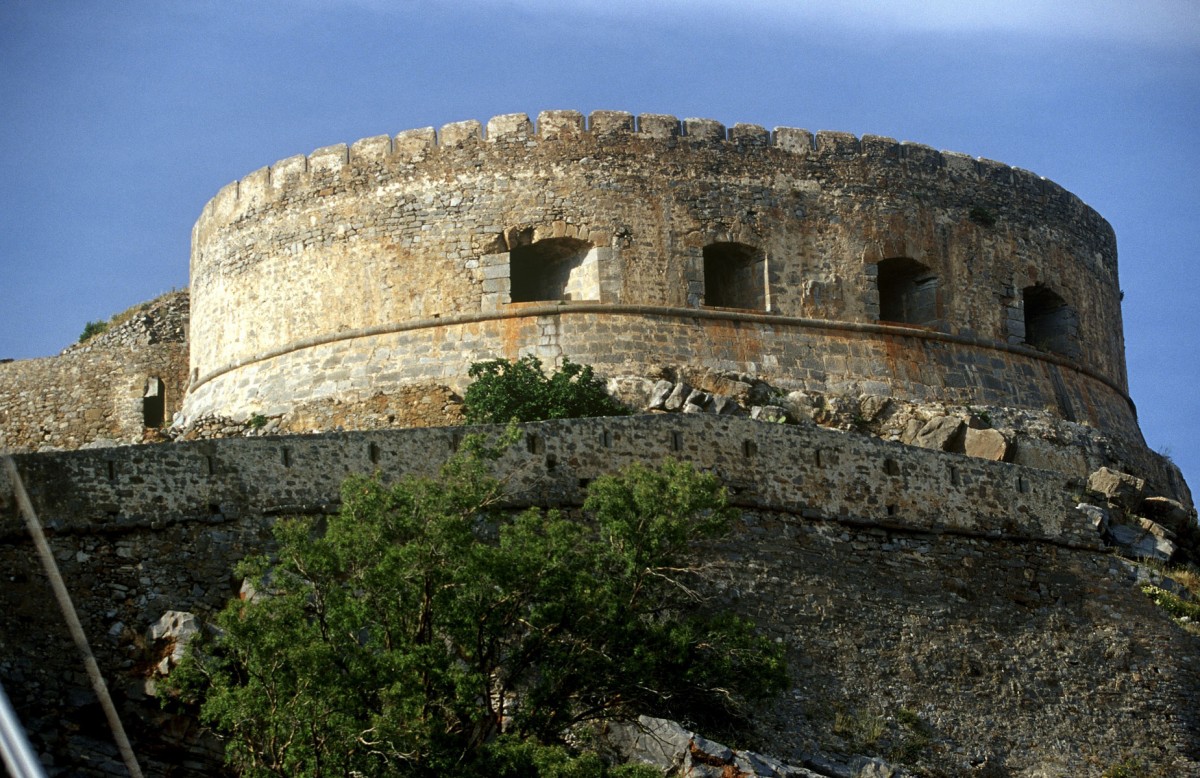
(119, 120)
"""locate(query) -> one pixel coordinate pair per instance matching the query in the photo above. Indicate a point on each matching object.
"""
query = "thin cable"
(72, 618)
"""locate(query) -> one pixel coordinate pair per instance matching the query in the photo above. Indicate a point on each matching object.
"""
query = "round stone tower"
(827, 263)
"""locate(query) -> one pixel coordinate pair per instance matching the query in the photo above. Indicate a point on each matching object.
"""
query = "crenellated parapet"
(819, 261)
(277, 181)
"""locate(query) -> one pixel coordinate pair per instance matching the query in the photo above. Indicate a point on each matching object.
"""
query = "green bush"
(504, 391)
(92, 329)
(425, 633)
(1173, 604)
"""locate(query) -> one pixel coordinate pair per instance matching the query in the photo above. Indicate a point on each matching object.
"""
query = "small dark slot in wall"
(749, 449)
(373, 453)
(112, 469)
(677, 441)
(891, 467)
(285, 456)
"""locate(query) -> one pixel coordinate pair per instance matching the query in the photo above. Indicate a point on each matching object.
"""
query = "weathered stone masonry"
(828, 263)
(872, 285)
(109, 388)
(971, 592)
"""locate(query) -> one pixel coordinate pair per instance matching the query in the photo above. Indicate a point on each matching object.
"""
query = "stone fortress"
(899, 306)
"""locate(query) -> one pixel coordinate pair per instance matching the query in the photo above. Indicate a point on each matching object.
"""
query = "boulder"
(676, 751)
(941, 433)
(659, 395)
(1118, 488)
(870, 406)
(1168, 513)
(986, 444)
(696, 401)
(678, 396)
(774, 414)
(176, 629)
(723, 405)
(1140, 543)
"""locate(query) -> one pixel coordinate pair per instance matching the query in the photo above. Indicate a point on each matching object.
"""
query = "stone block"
(328, 160)
(509, 127)
(460, 133)
(1118, 488)
(1168, 513)
(677, 397)
(880, 147)
(1096, 516)
(1141, 543)
(986, 444)
(287, 171)
(657, 125)
(375, 149)
(793, 139)
(836, 143)
(610, 122)
(941, 433)
(703, 129)
(556, 124)
(749, 135)
(412, 144)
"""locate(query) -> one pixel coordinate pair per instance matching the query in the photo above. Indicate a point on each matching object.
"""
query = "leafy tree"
(426, 632)
(520, 390)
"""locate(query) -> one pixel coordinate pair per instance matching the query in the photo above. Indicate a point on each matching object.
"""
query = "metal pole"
(72, 618)
(14, 746)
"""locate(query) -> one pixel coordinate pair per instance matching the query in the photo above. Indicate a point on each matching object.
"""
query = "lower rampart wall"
(904, 583)
(904, 363)
(798, 469)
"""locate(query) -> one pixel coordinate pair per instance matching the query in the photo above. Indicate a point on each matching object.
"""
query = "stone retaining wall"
(905, 583)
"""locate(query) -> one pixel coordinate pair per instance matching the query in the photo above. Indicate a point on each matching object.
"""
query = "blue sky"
(120, 120)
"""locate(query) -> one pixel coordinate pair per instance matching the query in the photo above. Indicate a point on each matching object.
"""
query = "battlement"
(559, 127)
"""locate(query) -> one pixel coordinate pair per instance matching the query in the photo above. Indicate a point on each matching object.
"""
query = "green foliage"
(258, 421)
(1129, 768)
(914, 738)
(520, 390)
(982, 216)
(423, 632)
(92, 329)
(1173, 604)
(862, 729)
